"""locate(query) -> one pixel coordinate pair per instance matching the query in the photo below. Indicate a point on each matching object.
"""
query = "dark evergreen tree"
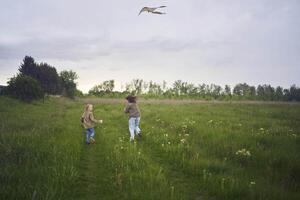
(25, 88)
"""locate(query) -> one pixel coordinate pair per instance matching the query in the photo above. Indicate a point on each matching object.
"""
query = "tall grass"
(189, 151)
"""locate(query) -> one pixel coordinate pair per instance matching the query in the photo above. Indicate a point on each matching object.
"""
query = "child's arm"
(95, 120)
(126, 109)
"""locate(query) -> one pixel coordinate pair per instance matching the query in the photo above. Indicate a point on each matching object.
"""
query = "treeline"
(35, 80)
(181, 89)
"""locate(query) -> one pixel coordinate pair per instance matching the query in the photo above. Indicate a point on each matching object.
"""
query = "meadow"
(188, 150)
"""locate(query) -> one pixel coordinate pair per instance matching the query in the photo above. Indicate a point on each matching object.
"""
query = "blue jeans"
(90, 132)
(134, 128)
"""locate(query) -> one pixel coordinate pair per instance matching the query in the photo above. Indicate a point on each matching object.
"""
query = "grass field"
(188, 151)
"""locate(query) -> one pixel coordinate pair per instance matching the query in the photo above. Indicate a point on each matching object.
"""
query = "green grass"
(188, 151)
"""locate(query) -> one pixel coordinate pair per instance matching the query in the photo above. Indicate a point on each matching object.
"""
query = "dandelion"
(243, 152)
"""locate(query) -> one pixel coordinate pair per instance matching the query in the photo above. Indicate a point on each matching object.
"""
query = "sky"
(198, 41)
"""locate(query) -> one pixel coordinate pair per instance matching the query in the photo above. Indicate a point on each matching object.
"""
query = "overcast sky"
(199, 41)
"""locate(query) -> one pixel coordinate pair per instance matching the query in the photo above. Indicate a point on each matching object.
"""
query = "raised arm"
(126, 109)
(92, 118)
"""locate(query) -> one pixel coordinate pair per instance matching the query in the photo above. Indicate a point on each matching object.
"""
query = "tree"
(252, 91)
(278, 93)
(227, 90)
(49, 79)
(260, 92)
(177, 85)
(182, 88)
(286, 95)
(68, 81)
(237, 90)
(44, 73)
(105, 87)
(25, 88)
(154, 88)
(215, 90)
(135, 87)
(202, 90)
(294, 93)
(28, 67)
(269, 92)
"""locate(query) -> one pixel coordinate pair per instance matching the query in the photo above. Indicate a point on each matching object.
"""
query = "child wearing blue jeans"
(88, 121)
(134, 116)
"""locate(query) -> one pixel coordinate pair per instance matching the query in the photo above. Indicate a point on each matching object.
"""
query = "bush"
(68, 81)
(25, 88)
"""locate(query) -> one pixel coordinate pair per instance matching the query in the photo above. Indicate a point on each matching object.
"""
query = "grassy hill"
(188, 151)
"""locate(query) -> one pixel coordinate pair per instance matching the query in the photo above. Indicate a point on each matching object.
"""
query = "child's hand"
(100, 121)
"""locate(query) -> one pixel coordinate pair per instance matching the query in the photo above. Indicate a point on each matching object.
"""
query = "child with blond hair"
(88, 121)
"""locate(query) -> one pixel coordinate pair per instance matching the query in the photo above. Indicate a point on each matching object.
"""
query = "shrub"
(25, 88)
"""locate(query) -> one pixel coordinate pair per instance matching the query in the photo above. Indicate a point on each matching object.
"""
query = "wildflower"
(239, 124)
(122, 147)
(186, 134)
(261, 129)
(243, 152)
(182, 141)
(139, 153)
(166, 135)
(210, 121)
(179, 134)
(252, 183)
(169, 143)
(162, 145)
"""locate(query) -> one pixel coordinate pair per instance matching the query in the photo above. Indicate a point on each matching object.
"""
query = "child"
(134, 116)
(88, 121)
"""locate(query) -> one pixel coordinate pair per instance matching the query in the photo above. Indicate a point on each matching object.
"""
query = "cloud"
(64, 48)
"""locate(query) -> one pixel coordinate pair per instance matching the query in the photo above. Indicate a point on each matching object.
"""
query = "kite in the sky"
(152, 10)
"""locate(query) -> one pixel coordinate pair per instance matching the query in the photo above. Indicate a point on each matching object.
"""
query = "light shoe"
(92, 140)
